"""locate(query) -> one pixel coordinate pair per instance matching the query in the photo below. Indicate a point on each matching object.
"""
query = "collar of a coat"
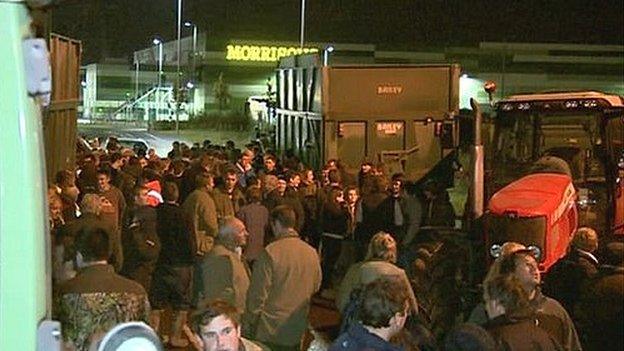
(291, 233)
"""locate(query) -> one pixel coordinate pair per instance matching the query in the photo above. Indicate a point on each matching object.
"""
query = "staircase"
(157, 103)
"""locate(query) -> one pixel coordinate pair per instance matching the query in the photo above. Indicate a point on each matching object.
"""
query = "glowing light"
(255, 53)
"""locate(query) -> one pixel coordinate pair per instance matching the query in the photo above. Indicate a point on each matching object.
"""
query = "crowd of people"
(243, 240)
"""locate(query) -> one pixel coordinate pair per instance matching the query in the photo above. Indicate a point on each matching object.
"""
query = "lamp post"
(189, 24)
(328, 50)
(177, 82)
(302, 32)
(158, 41)
(136, 77)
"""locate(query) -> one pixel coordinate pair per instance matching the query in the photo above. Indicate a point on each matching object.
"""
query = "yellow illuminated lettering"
(281, 52)
(255, 53)
(245, 53)
(264, 53)
(259, 53)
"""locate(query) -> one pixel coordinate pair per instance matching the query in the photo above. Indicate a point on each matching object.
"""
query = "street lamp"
(326, 53)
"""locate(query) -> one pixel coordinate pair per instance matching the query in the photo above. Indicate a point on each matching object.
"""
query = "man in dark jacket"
(599, 311)
(141, 244)
(173, 274)
(383, 309)
(568, 275)
(91, 206)
(512, 320)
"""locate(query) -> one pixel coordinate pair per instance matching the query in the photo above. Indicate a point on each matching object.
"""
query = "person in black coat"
(565, 279)
(599, 312)
(140, 240)
(438, 210)
(382, 310)
(512, 321)
(369, 223)
(334, 222)
(173, 274)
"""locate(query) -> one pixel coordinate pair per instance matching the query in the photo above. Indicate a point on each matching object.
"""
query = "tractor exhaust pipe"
(477, 186)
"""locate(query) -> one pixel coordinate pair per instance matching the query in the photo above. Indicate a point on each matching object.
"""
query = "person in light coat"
(285, 276)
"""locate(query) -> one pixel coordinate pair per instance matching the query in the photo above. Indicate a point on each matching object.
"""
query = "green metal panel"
(23, 235)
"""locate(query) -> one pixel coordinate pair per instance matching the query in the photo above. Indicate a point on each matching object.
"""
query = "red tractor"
(539, 211)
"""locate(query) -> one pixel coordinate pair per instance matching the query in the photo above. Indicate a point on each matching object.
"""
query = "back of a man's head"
(381, 300)
(585, 239)
(228, 228)
(284, 215)
(469, 337)
(508, 292)
(93, 244)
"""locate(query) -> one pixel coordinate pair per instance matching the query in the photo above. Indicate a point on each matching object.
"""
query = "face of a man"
(230, 181)
(295, 181)
(352, 196)
(396, 187)
(310, 176)
(366, 168)
(140, 199)
(281, 186)
(56, 209)
(527, 272)
(240, 233)
(143, 162)
(245, 161)
(220, 335)
(269, 164)
(103, 182)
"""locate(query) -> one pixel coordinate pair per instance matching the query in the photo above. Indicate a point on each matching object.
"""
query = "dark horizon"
(116, 28)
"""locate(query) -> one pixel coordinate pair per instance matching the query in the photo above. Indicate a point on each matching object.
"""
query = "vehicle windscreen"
(523, 137)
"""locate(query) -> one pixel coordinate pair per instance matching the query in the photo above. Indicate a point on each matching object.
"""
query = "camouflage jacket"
(95, 301)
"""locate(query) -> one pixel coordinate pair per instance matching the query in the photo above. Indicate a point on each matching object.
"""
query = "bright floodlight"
(188, 24)
(464, 75)
(190, 85)
(156, 41)
(330, 48)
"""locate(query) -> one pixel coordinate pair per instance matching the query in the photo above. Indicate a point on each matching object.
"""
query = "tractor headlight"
(537, 252)
(496, 250)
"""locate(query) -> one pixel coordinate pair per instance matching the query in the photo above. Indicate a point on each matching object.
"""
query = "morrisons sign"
(256, 53)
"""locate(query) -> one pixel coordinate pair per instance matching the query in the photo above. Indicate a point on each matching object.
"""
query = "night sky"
(115, 28)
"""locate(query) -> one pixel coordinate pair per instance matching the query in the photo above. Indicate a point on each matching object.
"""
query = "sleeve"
(349, 282)
(258, 293)
(208, 215)
(122, 206)
(410, 292)
(414, 209)
(148, 248)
